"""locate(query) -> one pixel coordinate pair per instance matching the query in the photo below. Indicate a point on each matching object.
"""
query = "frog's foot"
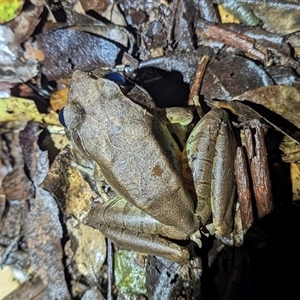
(196, 237)
(227, 239)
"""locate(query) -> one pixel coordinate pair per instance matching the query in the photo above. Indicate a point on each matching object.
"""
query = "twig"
(230, 38)
(171, 27)
(195, 88)
(109, 269)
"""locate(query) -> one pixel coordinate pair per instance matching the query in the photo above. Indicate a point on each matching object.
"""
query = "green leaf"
(9, 9)
(129, 274)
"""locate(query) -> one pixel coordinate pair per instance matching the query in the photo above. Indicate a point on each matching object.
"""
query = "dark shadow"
(266, 266)
(174, 92)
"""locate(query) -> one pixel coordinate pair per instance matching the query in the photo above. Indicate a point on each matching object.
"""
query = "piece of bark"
(243, 188)
(257, 155)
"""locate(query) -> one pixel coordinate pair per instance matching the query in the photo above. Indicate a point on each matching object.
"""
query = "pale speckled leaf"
(89, 249)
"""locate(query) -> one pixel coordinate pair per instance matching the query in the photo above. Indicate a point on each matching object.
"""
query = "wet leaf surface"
(231, 76)
(76, 50)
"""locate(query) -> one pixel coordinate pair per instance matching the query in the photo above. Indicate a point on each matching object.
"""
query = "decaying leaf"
(107, 9)
(111, 32)
(25, 24)
(167, 280)
(80, 50)
(72, 192)
(38, 220)
(44, 233)
(56, 138)
(92, 294)
(13, 68)
(129, 273)
(17, 186)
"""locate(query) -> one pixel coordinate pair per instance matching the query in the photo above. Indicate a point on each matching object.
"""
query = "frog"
(164, 194)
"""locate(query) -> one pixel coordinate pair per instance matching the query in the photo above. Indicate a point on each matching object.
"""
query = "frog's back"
(119, 136)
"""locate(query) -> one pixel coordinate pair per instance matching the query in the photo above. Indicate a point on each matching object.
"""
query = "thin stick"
(171, 27)
(195, 88)
(109, 269)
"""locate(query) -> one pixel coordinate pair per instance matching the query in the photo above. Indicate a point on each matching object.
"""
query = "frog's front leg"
(133, 229)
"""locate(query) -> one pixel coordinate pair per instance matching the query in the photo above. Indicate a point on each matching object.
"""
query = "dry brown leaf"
(24, 25)
(17, 186)
(43, 229)
(107, 9)
(282, 100)
(44, 232)
(230, 76)
(281, 18)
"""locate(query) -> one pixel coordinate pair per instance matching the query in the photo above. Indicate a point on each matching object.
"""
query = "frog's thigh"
(122, 214)
(133, 229)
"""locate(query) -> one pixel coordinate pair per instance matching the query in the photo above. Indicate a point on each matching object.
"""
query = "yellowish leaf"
(295, 178)
(226, 16)
(20, 109)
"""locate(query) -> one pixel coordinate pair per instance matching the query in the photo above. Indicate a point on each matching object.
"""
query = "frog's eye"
(61, 118)
(124, 84)
(116, 78)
